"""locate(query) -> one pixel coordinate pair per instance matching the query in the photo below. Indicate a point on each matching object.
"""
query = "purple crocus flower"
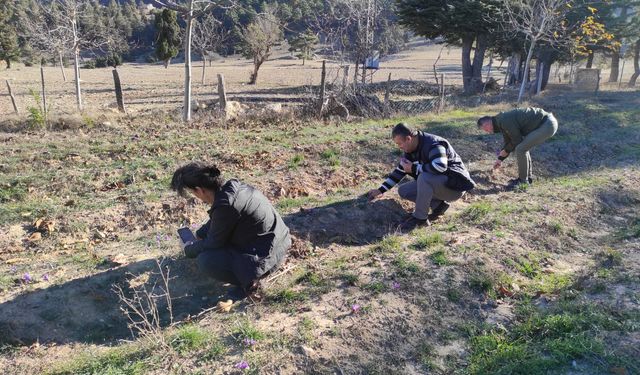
(355, 308)
(242, 365)
(194, 226)
(45, 277)
(249, 342)
(395, 285)
(13, 269)
(158, 239)
(167, 237)
(26, 277)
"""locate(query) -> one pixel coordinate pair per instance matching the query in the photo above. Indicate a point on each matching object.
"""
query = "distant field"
(148, 87)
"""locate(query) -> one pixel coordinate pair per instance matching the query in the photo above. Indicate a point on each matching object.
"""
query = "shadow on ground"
(352, 222)
(88, 310)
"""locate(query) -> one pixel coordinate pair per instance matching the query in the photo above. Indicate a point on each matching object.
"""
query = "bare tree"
(208, 36)
(259, 38)
(41, 28)
(57, 28)
(189, 10)
(539, 21)
(348, 27)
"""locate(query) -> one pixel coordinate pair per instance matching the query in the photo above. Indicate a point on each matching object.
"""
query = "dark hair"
(483, 119)
(403, 130)
(195, 175)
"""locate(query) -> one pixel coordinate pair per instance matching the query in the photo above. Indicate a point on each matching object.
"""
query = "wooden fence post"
(222, 95)
(345, 77)
(441, 106)
(13, 98)
(118, 89)
(44, 96)
(387, 109)
(322, 88)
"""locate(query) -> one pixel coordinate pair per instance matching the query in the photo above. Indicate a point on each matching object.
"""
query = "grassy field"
(528, 282)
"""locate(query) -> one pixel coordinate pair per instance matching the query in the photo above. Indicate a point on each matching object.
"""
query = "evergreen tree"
(9, 50)
(460, 22)
(168, 36)
(304, 44)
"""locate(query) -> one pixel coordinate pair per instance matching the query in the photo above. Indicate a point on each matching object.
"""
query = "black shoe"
(530, 180)
(413, 223)
(438, 211)
(517, 183)
(254, 292)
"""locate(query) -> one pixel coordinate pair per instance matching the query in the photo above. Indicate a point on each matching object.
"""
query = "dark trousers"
(218, 264)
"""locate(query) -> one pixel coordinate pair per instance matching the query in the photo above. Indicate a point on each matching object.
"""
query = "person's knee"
(204, 263)
(403, 193)
(521, 150)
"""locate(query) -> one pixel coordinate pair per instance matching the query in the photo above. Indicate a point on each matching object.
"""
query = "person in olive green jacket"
(522, 129)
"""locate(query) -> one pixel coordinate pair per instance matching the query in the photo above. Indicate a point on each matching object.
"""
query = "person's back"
(258, 224)
(525, 120)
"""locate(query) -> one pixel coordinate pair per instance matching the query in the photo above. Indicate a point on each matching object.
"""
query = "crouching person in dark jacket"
(244, 239)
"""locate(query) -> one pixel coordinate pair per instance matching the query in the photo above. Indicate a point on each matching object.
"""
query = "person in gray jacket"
(440, 176)
(245, 237)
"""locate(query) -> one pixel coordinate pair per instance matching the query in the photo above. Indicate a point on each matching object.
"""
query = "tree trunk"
(546, 72)
(590, 59)
(64, 75)
(525, 78)
(547, 59)
(467, 68)
(166, 63)
(8, 61)
(186, 107)
(76, 60)
(636, 65)
(257, 62)
(76, 68)
(514, 69)
(615, 66)
(478, 61)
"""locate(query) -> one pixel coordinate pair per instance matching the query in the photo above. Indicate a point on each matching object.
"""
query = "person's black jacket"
(243, 221)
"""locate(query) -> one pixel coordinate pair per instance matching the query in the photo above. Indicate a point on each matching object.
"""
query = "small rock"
(34, 237)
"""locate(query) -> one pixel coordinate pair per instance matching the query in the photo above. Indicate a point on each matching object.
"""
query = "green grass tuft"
(389, 244)
(427, 240)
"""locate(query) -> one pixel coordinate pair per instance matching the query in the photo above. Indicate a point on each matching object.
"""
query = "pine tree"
(304, 44)
(9, 50)
(168, 35)
(460, 22)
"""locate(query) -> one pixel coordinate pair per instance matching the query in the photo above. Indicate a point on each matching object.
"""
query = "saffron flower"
(355, 308)
(242, 365)
(45, 277)
(395, 285)
(249, 342)
(26, 277)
